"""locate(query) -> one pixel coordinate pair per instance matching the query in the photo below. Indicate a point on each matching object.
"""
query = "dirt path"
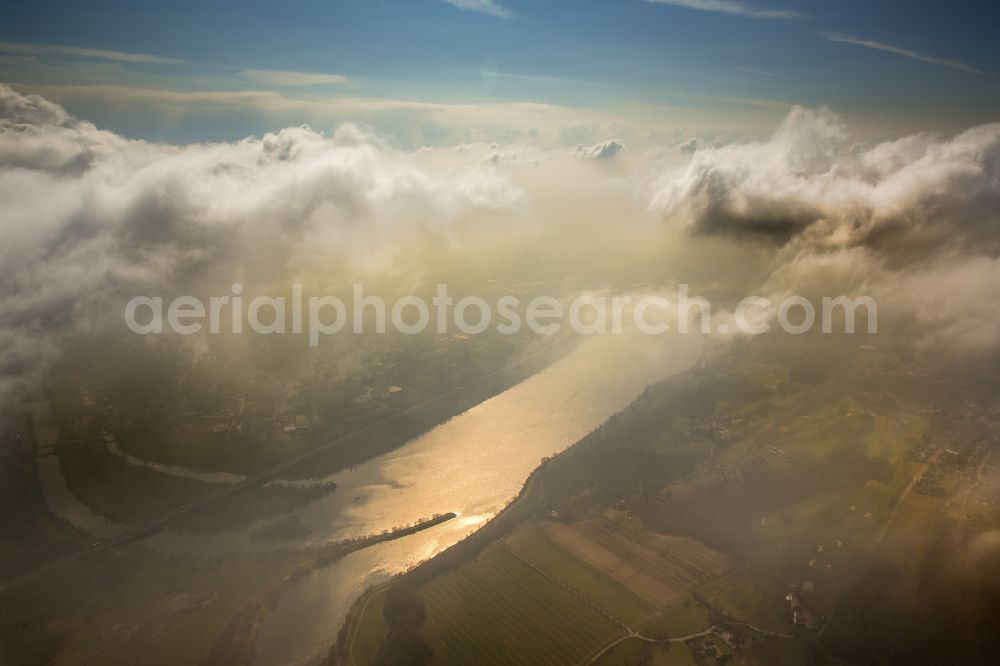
(906, 493)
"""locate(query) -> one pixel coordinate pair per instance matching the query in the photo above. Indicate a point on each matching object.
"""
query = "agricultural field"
(497, 609)
(750, 596)
(682, 619)
(532, 543)
(367, 629)
(633, 652)
(557, 593)
(659, 568)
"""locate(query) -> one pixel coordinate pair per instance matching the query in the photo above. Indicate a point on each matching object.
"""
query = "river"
(473, 465)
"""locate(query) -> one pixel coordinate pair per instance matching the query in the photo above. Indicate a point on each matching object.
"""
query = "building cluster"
(800, 615)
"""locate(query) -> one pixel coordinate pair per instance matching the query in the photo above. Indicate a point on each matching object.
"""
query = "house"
(801, 617)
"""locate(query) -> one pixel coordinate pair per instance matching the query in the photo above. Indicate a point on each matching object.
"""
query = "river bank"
(235, 645)
(527, 502)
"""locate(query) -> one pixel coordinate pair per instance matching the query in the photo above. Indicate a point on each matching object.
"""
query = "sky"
(550, 72)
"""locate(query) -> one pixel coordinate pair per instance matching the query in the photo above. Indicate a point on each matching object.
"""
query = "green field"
(531, 543)
(633, 652)
(498, 610)
(749, 596)
(198, 449)
(369, 629)
(123, 492)
(682, 619)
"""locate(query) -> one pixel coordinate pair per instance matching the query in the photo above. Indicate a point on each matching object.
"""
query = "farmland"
(749, 596)
(682, 619)
(497, 609)
(659, 568)
(634, 651)
(367, 629)
(557, 593)
(533, 544)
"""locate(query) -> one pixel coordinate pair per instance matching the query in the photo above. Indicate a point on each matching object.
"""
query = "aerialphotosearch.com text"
(652, 313)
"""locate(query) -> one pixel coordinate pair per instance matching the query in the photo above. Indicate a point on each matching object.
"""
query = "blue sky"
(736, 64)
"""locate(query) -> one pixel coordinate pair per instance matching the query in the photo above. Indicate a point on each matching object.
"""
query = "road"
(906, 493)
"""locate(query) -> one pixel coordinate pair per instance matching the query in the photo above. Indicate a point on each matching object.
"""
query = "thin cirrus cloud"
(906, 53)
(761, 72)
(482, 6)
(734, 7)
(81, 52)
(282, 77)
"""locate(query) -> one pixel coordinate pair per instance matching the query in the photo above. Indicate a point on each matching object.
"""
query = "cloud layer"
(912, 221)
(92, 219)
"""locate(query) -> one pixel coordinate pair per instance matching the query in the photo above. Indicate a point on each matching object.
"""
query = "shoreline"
(507, 519)
(238, 639)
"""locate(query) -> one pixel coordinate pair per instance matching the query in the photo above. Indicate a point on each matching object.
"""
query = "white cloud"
(280, 77)
(97, 54)
(906, 53)
(91, 218)
(604, 150)
(910, 221)
(482, 6)
(733, 7)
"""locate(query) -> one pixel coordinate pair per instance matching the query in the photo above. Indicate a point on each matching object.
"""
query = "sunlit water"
(473, 464)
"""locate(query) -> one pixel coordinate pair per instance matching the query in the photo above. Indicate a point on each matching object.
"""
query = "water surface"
(473, 464)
